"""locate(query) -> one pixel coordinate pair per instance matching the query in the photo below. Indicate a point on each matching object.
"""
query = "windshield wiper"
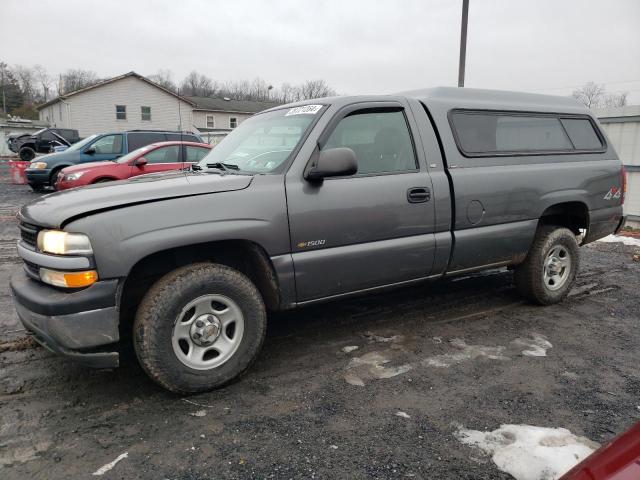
(195, 167)
(223, 166)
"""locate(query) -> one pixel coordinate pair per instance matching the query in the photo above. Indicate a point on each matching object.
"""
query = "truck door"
(370, 229)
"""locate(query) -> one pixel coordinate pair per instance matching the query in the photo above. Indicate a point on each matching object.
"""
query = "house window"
(233, 122)
(145, 113)
(121, 112)
(210, 122)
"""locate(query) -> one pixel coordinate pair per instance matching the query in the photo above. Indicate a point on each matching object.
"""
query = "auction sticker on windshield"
(304, 110)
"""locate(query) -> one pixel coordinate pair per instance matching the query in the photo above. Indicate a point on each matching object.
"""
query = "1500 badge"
(311, 243)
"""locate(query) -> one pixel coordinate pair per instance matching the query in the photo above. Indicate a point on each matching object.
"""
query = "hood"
(56, 209)
(65, 156)
(81, 167)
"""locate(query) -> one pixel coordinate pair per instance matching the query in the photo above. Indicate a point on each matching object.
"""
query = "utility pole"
(463, 42)
(4, 102)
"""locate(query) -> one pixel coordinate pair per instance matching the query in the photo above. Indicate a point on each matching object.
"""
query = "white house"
(622, 126)
(127, 102)
(131, 101)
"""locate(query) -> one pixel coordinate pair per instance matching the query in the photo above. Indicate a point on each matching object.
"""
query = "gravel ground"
(448, 355)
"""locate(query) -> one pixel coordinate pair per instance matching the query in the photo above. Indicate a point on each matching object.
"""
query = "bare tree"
(27, 81)
(616, 99)
(164, 78)
(315, 89)
(44, 80)
(198, 85)
(594, 95)
(75, 79)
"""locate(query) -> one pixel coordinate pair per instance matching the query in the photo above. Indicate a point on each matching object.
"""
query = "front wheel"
(547, 274)
(199, 327)
(27, 154)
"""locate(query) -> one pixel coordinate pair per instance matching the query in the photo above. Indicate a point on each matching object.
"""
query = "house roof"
(228, 105)
(111, 80)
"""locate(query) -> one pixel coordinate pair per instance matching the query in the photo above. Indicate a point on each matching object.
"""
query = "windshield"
(131, 155)
(263, 143)
(81, 144)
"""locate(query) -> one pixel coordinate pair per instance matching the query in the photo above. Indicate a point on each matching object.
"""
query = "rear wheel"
(199, 327)
(27, 154)
(547, 274)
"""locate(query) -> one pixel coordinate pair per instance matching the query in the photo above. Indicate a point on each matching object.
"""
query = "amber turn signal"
(69, 279)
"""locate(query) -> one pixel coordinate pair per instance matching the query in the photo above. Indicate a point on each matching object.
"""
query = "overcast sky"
(357, 46)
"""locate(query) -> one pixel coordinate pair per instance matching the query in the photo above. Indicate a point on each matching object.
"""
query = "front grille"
(28, 233)
(32, 269)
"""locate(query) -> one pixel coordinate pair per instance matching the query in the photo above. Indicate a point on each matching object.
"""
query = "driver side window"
(380, 139)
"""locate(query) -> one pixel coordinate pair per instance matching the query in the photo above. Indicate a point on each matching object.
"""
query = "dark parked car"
(100, 147)
(312, 202)
(43, 141)
(154, 158)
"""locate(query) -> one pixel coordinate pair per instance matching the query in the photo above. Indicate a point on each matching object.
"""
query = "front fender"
(123, 236)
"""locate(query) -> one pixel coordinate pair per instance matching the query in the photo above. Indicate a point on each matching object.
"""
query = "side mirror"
(333, 162)
(140, 162)
(90, 151)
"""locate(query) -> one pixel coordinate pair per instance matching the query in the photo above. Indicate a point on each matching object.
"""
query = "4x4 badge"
(615, 192)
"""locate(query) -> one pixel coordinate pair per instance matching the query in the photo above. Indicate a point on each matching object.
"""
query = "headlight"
(38, 165)
(73, 176)
(64, 243)
(68, 279)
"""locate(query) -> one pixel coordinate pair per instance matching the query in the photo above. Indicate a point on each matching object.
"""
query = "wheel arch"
(245, 256)
(573, 215)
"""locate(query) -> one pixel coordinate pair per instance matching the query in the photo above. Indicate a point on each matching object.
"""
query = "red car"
(617, 460)
(156, 157)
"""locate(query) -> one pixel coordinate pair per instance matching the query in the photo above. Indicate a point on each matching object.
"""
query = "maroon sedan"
(157, 157)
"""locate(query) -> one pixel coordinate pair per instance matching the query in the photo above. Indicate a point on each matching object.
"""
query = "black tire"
(38, 188)
(159, 311)
(27, 154)
(104, 180)
(529, 277)
(53, 178)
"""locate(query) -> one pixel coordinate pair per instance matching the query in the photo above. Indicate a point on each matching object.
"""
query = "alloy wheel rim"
(557, 267)
(207, 332)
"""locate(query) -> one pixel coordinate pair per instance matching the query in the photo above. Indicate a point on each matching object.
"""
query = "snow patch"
(530, 453)
(621, 239)
(372, 365)
(467, 352)
(402, 414)
(536, 346)
(349, 348)
(105, 468)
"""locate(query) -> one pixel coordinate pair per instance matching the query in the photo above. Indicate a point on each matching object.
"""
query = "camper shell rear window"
(486, 133)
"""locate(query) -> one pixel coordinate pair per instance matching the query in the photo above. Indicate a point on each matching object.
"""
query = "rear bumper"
(603, 222)
(70, 324)
(623, 220)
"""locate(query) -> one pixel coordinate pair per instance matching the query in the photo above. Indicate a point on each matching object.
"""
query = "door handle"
(418, 195)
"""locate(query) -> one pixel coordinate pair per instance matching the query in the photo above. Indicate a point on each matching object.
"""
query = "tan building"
(216, 117)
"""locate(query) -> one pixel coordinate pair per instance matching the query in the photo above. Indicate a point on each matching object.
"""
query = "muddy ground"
(447, 355)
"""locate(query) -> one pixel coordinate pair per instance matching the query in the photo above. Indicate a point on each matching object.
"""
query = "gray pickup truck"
(311, 202)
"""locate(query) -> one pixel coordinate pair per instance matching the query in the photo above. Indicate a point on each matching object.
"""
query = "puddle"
(530, 453)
